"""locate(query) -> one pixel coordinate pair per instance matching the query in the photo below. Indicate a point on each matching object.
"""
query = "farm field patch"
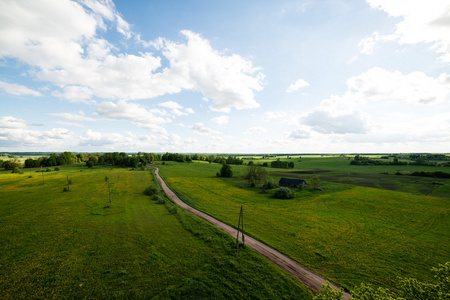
(59, 244)
(348, 233)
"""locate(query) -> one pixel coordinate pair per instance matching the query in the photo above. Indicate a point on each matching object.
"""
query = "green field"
(69, 245)
(349, 232)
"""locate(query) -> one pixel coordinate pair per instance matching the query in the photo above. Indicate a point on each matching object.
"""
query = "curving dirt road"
(305, 275)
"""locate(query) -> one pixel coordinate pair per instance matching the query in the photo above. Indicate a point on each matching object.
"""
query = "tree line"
(421, 160)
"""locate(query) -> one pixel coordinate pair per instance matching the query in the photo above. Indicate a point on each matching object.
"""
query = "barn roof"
(289, 181)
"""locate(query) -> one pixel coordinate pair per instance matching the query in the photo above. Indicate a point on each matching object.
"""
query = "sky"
(323, 76)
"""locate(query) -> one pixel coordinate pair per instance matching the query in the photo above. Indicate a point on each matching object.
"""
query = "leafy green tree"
(314, 182)
(226, 171)
(16, 170)
(80, 157)
(255, 173)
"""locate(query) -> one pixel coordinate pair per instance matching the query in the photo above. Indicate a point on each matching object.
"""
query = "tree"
(16, 170)
(90, 164)
(226, 171)
(283, 193)
(255, 173)
(80, 157)
(314, 182)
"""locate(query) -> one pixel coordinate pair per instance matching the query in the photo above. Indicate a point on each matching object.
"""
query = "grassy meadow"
(350, 231)
(65, 245)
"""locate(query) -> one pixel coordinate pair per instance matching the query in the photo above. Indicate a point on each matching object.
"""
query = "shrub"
(16, 170)
(57, 169)
(283, 193)
(159, 199)
(48, 170)
(65, 190)
(270, 184)
(151, 190)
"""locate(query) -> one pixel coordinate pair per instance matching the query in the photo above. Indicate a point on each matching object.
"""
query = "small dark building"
(292, 182)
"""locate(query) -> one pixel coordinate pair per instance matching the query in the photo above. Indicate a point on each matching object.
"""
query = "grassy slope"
(72, 245)
(350, 234)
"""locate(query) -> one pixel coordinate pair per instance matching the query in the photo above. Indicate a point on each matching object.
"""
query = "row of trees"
(232, 160)
(54, 159)
(421, 160)
(282, 164)
(92, 159)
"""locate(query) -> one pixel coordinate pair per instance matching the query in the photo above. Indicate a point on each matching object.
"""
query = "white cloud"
(301, 133)
(12, 123)
(254, 130)
(176, 108)
(75, 93)
(300, 83)
(421, 22)
(221, 120)
(58, 133)
(17, 89)
(416, 87)
(337, 122)
(70, 123)
(200, 129)
(60, 42)
(230, 81)
(274, 115)
(77, 116)
(142, 117)
(14, 133)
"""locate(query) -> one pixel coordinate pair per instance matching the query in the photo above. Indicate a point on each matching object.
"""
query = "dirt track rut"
(302, 273)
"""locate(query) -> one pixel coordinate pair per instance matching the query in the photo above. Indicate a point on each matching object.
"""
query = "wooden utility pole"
(240, 228)
(109, 191)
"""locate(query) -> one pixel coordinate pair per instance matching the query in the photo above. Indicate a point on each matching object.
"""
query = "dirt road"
(305, 275)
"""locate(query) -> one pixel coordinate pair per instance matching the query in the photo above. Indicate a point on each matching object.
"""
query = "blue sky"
(225, 77)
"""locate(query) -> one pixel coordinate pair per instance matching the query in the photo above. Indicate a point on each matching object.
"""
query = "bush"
(16, 170)
(283, 193)
(65, 190)
(270, 184)
(159, 199)
(48, 170)
(57, 169)
(151, 190)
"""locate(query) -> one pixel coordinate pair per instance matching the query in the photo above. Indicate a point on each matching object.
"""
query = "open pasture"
(70, 245)
(348, 233)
